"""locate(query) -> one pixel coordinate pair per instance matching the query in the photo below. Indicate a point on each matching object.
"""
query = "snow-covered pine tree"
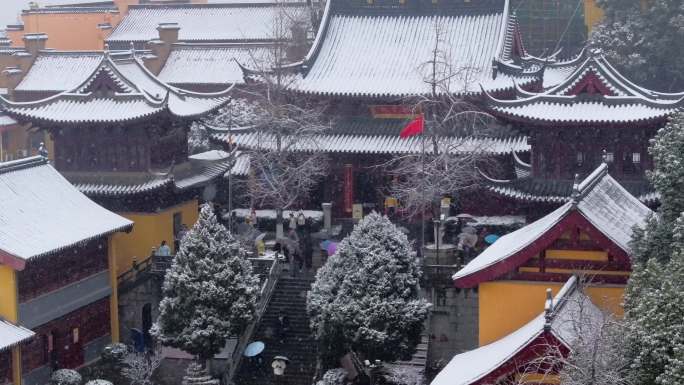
(198, 138)
(654, 304)
(209, 292)
(366, 297)
(667, 148)
(645, 39)
(654, 299)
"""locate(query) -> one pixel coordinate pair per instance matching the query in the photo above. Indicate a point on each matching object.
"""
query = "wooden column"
(16, 365)
(114, 298)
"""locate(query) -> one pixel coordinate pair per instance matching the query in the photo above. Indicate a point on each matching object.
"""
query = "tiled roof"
(102, 186)
(594, 92)
(6, 120)
(42, 213)
(599, 198)
(130, 92)
(210, 64)
(380, 144)
(59, 71)
(530, 189)
(566, 311)
(232, 22)
(242, 165)
(384, 51)
(12, 335)
(200, 170)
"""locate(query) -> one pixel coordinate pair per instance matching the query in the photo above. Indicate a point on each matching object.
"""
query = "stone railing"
(267, 290)
(438, 274)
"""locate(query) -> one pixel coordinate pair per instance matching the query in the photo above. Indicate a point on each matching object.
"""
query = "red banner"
(348, 188)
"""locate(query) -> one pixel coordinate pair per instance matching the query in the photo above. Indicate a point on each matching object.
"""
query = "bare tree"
(595, 349)
(139, 368)
(286, 161)
(454, 141)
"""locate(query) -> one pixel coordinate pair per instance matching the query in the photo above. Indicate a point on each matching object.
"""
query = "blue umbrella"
(254, 349)
(491, 238)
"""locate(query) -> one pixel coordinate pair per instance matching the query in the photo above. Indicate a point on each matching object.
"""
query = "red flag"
(415, 127)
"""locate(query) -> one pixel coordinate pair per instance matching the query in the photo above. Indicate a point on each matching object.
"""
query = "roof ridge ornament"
(42, 150)
(604, 156)
(575, 191)
(548, 310)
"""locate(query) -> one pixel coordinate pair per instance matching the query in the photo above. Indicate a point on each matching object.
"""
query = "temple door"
(72, 350)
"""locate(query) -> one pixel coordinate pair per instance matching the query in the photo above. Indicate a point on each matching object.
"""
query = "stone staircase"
(419, 359)
(289, 298)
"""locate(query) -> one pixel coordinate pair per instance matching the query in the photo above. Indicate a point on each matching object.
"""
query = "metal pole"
(422, 187)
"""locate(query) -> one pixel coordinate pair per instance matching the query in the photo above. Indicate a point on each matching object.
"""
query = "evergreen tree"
(654, 300)
(655, 310)
(210, 293)
(667, 148)
(645, 39)
(366, 297)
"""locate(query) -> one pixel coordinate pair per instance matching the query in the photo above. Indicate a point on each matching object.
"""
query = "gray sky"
(9, 9)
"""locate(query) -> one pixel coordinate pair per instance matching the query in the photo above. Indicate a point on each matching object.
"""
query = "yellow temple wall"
(148, 232)
(8, 294)
(592, 14)
(505, 306)
(69, 31)
(16, 138)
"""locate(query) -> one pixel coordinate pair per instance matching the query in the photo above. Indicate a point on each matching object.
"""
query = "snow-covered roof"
(42, 213)
(242, 165)
(594, 92)
(210, 63)
(483, 365)
(599, 199)
(231, 22)
(379, 144)
(115, 91)
(556, 191)
(6, 120)
(382, 50)
(200, 170)
(12, 335)
(59, 71)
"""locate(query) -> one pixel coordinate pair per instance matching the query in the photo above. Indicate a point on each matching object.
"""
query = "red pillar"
(348, 188)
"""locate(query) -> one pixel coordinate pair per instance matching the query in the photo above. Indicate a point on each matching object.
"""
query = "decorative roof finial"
(604, 156)
(132, 48)
(106, 49)
(575, 190)
(548, 310)
(42, 150)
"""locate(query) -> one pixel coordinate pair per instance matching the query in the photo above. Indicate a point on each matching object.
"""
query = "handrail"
(265, 297)
(136, 268)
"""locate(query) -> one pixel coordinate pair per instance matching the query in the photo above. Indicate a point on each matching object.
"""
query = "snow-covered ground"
(316, 215)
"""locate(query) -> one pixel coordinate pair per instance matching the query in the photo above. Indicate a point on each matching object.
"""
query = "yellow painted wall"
(70, 31)
(148, 232)
(577, 255)
(16, 138)
(592, 14)
(505, 306)
(8, 294)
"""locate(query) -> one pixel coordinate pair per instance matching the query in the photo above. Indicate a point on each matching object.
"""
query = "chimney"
(13, 76)
(34, 42)
(168, 32)
(161, 48)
